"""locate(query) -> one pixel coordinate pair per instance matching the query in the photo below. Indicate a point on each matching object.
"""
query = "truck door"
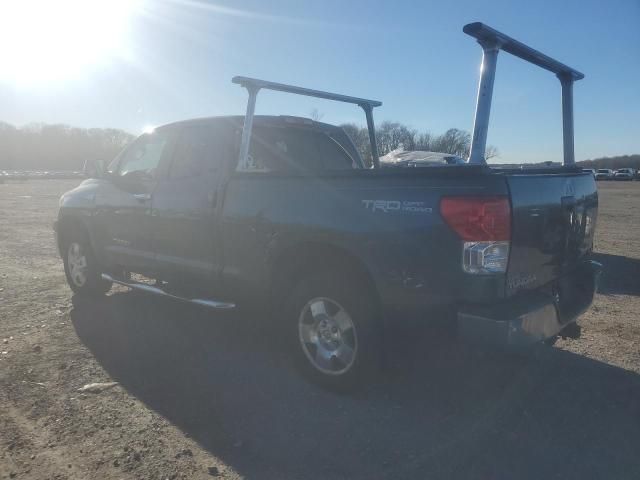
(123, 209)
(185, 207)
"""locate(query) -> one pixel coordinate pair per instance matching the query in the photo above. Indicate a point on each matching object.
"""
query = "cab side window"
(300, 150)
(143, 157)
(198, 152)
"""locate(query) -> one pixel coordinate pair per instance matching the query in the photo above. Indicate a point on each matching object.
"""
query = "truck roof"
(260, 120)
(336, 133)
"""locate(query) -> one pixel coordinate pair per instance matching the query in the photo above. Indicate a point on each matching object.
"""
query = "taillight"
(478, 218)
(484, 225)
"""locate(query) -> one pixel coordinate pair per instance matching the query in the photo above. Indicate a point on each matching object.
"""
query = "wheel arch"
(66, 224)
(298, 260)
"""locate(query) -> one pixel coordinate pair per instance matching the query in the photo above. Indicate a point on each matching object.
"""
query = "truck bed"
(390, 220)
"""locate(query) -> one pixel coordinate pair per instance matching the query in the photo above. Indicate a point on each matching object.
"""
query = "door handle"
(142, 197)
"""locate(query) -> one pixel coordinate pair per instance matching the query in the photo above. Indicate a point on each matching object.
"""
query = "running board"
(143, 287)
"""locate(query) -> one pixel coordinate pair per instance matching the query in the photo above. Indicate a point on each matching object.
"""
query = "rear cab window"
(296, 150)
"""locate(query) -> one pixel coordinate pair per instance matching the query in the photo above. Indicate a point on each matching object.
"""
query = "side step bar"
(143, 287)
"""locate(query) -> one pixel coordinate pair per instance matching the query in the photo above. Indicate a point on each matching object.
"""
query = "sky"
(144, 63)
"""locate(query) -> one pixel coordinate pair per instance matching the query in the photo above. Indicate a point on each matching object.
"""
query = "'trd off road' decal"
(392, 206)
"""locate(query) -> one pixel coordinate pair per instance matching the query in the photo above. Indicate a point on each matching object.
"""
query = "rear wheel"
(334, 331)
(81, 267)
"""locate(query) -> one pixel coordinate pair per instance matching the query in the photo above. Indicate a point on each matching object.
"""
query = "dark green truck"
(281, 212)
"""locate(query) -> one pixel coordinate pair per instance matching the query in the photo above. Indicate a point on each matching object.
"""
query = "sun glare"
(44, 41)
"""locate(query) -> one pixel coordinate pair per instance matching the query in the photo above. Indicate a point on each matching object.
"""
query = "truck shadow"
(441, 411)
(620, 275)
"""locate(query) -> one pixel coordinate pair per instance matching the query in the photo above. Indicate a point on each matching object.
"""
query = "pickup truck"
(283, 213)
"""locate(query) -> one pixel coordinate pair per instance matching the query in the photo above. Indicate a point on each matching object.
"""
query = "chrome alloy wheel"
(328, 336)
(77, 261)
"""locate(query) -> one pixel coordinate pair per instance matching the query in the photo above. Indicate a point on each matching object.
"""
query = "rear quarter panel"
(390, 221)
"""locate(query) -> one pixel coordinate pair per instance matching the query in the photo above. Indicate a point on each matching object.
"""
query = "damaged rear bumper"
(533, 317)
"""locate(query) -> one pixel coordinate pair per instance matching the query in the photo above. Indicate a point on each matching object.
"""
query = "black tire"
(340, 291)
(90, 283)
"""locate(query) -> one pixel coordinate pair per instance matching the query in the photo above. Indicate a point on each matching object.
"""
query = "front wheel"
(334, 330)
(81, 267)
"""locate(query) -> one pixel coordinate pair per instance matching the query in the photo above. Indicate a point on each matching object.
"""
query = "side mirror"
(92, 169)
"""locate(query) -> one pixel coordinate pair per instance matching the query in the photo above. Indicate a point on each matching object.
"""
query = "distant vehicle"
(282, 213)
(604, 174)
(590, 170)
(624, 174)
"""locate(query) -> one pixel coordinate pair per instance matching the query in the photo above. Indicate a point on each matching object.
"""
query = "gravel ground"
(202, 395)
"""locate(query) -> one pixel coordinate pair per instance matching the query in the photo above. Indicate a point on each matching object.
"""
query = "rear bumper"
(533, 317)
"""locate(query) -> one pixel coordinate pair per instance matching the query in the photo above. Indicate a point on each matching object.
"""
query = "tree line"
(393, 135)
(621, 161)
(57, 147)
(61, 147)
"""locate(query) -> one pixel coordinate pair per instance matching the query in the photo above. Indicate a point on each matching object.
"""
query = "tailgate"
(553, 223)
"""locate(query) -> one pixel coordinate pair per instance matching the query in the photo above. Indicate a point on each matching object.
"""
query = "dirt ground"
(202, 395)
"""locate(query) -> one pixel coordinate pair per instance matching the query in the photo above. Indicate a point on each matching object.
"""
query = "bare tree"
(315, 115)
(491, 152)
(453, 141)
(424, 141)
(393, 135)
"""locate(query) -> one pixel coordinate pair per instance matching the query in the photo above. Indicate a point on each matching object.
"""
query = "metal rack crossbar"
(492, 41)
(254, 85)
